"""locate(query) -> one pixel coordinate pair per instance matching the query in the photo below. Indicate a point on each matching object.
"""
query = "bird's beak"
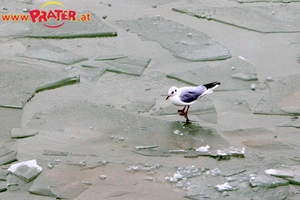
(168, 97)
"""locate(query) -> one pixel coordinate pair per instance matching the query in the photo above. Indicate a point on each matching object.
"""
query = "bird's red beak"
(168, 97)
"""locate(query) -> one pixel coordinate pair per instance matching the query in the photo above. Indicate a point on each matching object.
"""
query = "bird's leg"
(182, 111)
(187, 120)
(185, 114)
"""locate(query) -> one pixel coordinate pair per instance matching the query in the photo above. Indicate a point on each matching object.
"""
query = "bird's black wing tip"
(211, 85)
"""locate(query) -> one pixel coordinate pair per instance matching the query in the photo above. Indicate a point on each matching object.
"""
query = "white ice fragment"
(102, 177)
(203, 148)
(149, 178)
(253, 86)
(26, 170)
(183, 42)
(269, 79)
(224, 187)
(179, 184)
(278, 172)
(215, 172)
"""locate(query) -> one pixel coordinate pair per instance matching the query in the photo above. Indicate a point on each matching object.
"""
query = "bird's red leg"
(186, 112)
(182, 111)
(185, 115)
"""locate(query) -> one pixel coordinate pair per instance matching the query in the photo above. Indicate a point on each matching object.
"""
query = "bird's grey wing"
(191, 94)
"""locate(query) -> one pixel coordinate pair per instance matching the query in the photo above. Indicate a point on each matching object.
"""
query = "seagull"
(186, 96)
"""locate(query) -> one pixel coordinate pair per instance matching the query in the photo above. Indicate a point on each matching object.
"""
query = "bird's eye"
(175, 90)
(172, 92)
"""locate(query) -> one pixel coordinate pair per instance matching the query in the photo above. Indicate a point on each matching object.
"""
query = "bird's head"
(172, 91)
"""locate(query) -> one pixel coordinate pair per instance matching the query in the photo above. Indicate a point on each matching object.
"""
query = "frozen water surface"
(264, 19)
(199, 47)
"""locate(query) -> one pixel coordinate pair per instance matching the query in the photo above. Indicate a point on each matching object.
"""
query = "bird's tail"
(211, 86)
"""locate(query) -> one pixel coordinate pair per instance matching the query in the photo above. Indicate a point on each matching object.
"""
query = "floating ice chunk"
(133, 168)
(102, 177)
(224, 187)
(278, 172)
(184, 173)
(149, 178)
(245, 76)
(3, 187)
(3, 174)
(55, 153)
(266, 181)
(22, 133)
(203, 148)
(214, 172)
(7, 156)
(146, 167)
(146, 147)
(231, 151)
(291, 109)
(27, 170)
(178, 151)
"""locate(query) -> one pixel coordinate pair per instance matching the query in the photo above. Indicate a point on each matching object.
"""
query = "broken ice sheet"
(3, 174)
(27, 170)
(3, 187)
(183, 173)
(245, 76)
(232, 151)
(222, 72)
(266, 181)
(22, 133)
(280, 173)
(39, 50)
(81, 115)
(146, 147)
(111, 57)
(7, 156)
(131, 65)
(66, 191)
(140, 105)
(295, 124)
(55, 153)
(292, 110)
(91, 70)
(204, 110)
(184, 42)
(282, 97)
(203, 148)
(224, 187)
(265, 19)
(29, 77)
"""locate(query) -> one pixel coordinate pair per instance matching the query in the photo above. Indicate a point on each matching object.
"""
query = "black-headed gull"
(185, 96)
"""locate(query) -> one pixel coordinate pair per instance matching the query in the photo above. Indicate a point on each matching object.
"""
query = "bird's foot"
(184, 114)
(187, 120)
(181, 111)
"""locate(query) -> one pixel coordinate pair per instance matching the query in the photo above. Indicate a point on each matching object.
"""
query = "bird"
(186, 96)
